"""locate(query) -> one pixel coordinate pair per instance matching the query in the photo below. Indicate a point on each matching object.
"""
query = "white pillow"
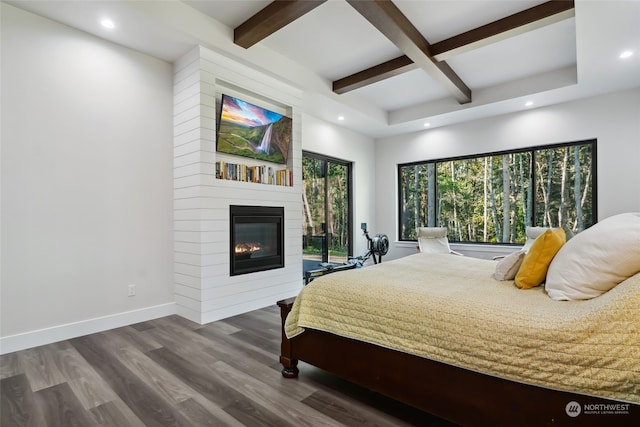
(508, 267)
(597, 259)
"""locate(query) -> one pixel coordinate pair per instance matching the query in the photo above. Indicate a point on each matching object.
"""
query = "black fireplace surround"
(257, 238)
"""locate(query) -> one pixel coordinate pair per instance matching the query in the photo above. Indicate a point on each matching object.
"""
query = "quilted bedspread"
(450, 309)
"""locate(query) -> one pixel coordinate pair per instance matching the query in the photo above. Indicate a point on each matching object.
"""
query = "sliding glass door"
(327, 210)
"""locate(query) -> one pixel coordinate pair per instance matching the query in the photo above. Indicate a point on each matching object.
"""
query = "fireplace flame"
(246, 248)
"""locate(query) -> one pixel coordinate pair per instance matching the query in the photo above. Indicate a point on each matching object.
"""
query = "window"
(327, 210)
(492, 197)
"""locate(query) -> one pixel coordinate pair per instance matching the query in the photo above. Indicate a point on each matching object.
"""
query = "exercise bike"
(377, 246)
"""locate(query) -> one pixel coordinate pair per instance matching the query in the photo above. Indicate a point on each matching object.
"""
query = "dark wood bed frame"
(464, 397)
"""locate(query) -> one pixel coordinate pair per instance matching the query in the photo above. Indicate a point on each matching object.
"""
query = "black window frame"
(532, 151)
(350, 208)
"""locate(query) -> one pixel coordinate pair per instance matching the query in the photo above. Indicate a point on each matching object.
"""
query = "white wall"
(613, 119)
(325, 138)
(86, 179)
(204, 289)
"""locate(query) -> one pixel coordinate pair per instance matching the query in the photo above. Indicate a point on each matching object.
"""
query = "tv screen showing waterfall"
(247, 130)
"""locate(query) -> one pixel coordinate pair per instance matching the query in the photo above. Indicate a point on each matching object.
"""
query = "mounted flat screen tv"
(247, 130)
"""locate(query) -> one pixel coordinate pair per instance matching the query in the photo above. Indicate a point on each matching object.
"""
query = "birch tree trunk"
(485, 195)
(330, 216)
(307, 210)
(526, 196)
(453, 199)
(547, 208)
(576, 188)
(563, 185)
(494, 206)
(585, 191)
(506, 205)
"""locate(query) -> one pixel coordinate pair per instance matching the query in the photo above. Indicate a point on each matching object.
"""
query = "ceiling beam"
(518, 23)
(389, 20)
(270, 19)
(527, 20)
(374, 74)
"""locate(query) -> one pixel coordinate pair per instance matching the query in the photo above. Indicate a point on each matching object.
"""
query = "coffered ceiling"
(390, 67)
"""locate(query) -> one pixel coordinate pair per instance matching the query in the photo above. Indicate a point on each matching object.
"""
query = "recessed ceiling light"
(108, 23)
(528, 103)
(427, 124)
(341, 118)
(626, 54)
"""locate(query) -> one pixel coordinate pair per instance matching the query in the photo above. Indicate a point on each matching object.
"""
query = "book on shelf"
(258, 174)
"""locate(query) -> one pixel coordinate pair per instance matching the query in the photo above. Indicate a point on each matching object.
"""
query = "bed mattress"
(450, 309)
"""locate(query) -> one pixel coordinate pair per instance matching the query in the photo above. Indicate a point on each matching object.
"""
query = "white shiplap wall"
(204, 290)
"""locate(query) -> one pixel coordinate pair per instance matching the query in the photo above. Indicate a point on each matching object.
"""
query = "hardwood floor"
(173, 372)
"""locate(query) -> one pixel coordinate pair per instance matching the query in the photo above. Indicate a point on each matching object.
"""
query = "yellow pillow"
(536, 262)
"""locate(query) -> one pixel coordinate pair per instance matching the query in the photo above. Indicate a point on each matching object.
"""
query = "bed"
(440, 333)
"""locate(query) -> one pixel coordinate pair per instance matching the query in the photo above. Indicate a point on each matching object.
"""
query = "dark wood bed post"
(289, 365)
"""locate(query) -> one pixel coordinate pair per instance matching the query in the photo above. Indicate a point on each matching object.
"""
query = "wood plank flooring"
(173, 372)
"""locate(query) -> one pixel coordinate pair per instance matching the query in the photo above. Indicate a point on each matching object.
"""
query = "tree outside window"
(493, 197)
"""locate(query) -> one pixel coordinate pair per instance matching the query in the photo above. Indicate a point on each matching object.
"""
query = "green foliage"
(330, 198)
(494, 198)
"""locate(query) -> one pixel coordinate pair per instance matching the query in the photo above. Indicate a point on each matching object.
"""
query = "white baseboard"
(77, 329)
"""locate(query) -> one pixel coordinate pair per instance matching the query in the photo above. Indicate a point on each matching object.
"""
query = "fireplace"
(257, 238)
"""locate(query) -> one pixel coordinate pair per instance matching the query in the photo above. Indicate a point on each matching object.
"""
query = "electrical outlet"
(363, 225)
(132, 290)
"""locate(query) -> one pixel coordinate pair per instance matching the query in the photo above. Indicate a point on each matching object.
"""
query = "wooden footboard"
(455, 394)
